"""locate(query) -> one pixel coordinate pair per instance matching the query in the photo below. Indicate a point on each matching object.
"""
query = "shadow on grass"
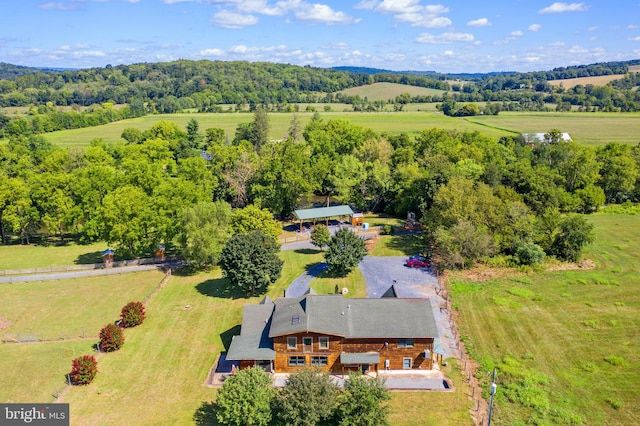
(87, 258)
(221, 288)
(307, 251)
(205, 415)
(408, 244)
(226, 336)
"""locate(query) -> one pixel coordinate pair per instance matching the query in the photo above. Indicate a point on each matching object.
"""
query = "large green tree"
(250, 262)
(362, 402)
(345, 251)
(253, 218)
(574, 232)
(309, 398)
(204, 229)
(245, 399)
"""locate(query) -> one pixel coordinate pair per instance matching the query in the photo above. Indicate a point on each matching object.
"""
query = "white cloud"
(444, 38)
(228, 19)
(516, 34)
(58, 6)
(634, 38)
(482, 22)
(302, 10)
(559, 7)
(366, 4)
(321, 13)
(534, 27)
(212, 52)
(340, 46)
(411, 11)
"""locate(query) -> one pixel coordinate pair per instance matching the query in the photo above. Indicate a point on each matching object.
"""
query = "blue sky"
(445, 36)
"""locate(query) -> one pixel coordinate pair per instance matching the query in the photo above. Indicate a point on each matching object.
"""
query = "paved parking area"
(381, 272)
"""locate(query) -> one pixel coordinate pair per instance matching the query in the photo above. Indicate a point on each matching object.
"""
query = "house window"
(406, 363)
(405, 343)
(296, 361)
(307, 344)
(319, 361)
(292, 342)
(323, 343)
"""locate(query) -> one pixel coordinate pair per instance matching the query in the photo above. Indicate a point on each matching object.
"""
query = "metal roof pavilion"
(322, 212)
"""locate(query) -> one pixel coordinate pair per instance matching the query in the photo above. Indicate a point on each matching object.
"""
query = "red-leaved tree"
(111, 338)
(132, 314)
(83, 370)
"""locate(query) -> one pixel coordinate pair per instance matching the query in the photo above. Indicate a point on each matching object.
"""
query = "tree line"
(138, 193)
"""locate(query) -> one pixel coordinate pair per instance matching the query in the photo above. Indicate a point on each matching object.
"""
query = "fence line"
(83, 267)
(467, 365)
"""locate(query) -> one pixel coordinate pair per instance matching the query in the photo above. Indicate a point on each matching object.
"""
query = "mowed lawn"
(158, 375)
(571, 336)
(18, 256)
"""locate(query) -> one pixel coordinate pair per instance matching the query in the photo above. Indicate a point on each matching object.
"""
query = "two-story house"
(336, 334)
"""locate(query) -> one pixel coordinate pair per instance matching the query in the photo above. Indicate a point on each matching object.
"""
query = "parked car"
(417, 263)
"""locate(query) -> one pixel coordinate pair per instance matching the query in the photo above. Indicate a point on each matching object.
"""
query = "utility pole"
(493, 392)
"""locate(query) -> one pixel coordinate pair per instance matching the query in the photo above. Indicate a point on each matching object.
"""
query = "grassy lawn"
(433, 408)
(16, 256)
(398, 245)
(354, 282)
(565, 342)
(31, 372)
(70, 308)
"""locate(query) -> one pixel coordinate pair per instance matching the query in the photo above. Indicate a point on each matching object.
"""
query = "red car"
(417, 262)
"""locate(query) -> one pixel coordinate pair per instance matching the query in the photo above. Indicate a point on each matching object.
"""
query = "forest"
(217, 86)
(468, 189)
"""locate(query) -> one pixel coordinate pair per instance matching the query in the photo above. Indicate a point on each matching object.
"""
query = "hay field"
(585, 128)
(387, 91)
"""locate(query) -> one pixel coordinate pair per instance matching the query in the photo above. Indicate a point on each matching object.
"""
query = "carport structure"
(322, 213)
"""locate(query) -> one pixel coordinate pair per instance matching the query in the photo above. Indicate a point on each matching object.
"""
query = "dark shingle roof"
(253, 341)
(354, 318)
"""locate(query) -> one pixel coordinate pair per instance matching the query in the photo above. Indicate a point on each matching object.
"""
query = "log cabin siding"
(338, 345)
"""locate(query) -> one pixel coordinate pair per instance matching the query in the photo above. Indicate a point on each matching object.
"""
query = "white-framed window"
(319, 361)
(323, 342)
(307, 343)
(406, 363)
(296, 361)
(292, 342)
(405, 343)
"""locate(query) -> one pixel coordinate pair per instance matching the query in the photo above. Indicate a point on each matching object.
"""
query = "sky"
(448, 36)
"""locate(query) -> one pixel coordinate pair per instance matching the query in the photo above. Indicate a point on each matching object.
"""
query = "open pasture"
(18, 256)
(588, 128)
(388, 91)
(391, 122)
(569, 338)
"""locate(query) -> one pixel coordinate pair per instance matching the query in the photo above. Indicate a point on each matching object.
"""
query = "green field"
(391, 122)
(585, 128)
(568, 337)
(388, 91)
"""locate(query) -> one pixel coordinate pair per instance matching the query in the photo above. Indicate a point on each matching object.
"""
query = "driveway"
(381, 272)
